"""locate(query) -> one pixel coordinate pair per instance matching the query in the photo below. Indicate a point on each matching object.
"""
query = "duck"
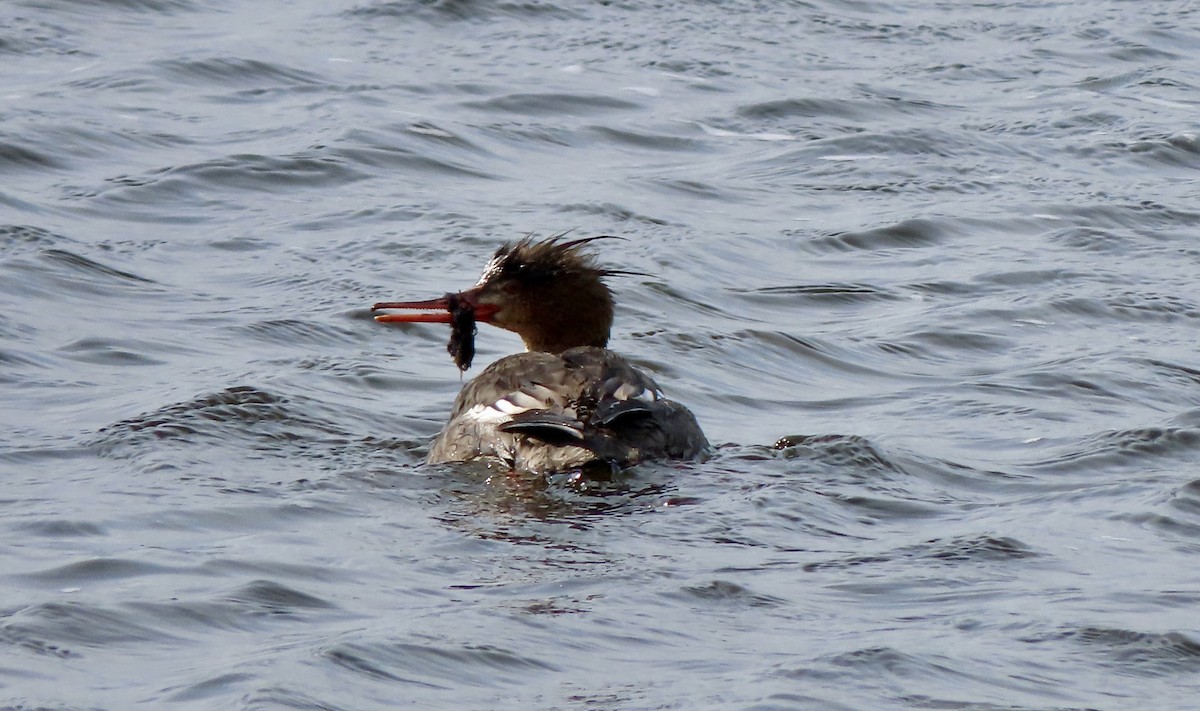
(566, 404)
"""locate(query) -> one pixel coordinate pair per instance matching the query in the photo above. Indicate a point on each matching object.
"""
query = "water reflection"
(492, 501)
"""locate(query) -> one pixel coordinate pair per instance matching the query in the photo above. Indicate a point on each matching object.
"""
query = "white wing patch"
(508, 407)
(533, 397)
(629, 391)
(486, 413)
(526, 401)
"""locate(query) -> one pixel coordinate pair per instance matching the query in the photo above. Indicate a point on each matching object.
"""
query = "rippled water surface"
(926, 271)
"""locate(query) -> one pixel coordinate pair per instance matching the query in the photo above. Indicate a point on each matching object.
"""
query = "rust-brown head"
(549, 292)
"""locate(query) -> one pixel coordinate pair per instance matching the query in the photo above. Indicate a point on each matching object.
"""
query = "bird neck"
(582, 316)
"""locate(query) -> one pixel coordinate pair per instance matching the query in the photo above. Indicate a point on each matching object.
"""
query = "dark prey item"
(462, 331)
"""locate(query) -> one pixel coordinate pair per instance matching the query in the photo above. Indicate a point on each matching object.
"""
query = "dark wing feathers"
(564, 410)
(609, 413)
(550, 427)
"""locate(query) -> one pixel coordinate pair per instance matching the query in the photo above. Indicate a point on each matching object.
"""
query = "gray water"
(925, 271)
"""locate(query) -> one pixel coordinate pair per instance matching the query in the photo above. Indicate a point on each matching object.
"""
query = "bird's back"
(545, 412)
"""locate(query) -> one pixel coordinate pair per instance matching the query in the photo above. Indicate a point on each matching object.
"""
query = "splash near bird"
(568, 402)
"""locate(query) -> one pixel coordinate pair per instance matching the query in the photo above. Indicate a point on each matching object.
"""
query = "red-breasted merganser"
(568, 402)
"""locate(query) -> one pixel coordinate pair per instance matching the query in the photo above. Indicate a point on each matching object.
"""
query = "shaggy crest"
(530, 261)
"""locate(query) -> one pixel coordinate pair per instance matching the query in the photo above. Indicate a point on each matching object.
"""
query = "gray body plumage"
(544, 412)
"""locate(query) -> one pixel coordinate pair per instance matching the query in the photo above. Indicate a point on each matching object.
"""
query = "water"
(926, 271)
